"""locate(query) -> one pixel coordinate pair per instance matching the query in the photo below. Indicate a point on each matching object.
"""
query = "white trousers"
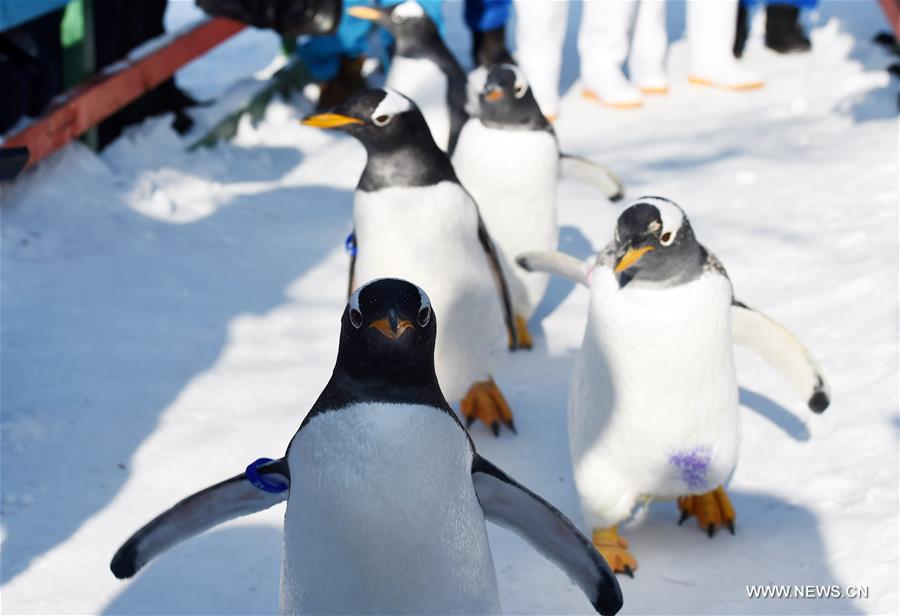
(612, 31)
(604, 40)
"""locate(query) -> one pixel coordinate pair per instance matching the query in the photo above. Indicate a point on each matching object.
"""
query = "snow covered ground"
(169, 317)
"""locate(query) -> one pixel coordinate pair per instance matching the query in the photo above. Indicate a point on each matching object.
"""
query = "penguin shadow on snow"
(233, 570)
(776, 543)
(150, 317)
(792, 425)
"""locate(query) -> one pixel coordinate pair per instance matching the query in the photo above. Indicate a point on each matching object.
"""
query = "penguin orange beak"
(631, 257)
(329, 120)
(364, 12)
(494, 95)
(390, 327)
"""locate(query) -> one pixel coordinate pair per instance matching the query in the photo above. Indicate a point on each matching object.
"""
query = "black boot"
(742, 31)
(888, 41)
(783, 31)
(489, 47)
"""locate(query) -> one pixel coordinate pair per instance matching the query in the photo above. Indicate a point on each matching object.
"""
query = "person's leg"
(783, 31)
(120, 27)
(16, 95)
(742, 28)
(487, 22)
(540, 33)
(710, 30)
(647, 62)
(603, 41)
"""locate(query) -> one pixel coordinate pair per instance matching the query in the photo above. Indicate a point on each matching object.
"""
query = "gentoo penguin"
(508, 158)
(414, 220)
(653, 406)
(386, 495)
(423, 68)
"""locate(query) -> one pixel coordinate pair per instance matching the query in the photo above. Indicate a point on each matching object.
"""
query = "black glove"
(287, 17)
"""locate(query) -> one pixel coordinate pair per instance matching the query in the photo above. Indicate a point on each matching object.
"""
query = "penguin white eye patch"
(392, 104)
(671, 215)
(665, 237)
(520, 86)
(408, 10)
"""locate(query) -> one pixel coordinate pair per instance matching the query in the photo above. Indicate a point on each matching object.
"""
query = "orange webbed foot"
(713, 510)
(485, 402)
(614, 550)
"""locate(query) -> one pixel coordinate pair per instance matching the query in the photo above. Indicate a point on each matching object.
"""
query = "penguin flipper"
(511, 505)
(494, 259)
(457, 93)
(593, 174)
(783, 351)
(195, 514)
(557, 263)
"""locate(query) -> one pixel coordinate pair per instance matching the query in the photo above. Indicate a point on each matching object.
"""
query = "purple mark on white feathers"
(693, 466)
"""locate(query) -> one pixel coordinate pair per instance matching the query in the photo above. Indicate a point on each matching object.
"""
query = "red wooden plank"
(98, 97)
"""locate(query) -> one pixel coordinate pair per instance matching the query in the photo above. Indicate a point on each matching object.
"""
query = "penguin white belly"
(426, 84)
(512, 174)
(383, 518)
(653, 407)
(429, 236)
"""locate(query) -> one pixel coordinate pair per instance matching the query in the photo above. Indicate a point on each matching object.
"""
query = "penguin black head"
(401, 150)
(505, 99)
(379, 118)
(408, 22)
(388, 331)
(655, 243)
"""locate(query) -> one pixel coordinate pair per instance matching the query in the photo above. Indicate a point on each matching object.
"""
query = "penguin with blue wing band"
(653, 404)
(386, 496)
(414, 220)
(198, 513)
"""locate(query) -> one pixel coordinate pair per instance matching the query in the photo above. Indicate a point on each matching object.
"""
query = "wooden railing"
(92, 101)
